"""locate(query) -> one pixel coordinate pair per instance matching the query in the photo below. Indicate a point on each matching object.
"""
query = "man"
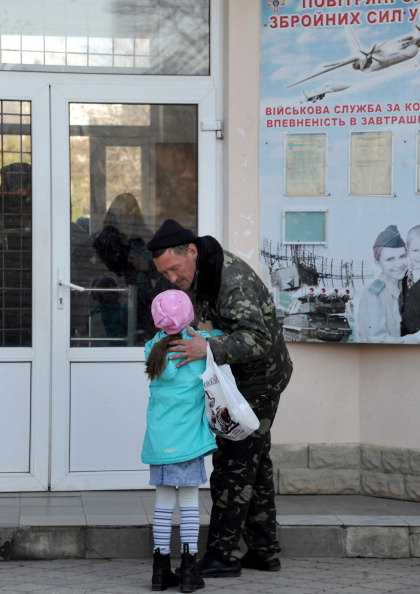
(230, 295)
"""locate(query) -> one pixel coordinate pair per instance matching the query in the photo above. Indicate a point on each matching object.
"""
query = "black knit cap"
(170, 234)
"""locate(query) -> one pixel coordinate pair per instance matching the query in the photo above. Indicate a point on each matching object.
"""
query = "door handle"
(63, 283)
(96, 289)
(71, 285)
(61, 293)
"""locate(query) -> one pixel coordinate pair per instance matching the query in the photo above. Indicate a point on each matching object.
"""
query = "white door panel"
(15, 404)
(102, 435)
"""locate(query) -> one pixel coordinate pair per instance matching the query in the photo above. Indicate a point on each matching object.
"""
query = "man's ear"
(192, 249)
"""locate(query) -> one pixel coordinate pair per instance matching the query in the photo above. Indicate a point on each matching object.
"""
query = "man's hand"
(189, 350)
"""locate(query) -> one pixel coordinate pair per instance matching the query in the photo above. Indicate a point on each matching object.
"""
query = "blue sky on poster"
(305, 51)
(293, 53)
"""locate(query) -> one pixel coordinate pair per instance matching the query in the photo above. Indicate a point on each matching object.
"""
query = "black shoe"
(162, 577)
(255, 560)
(190, 580)
(211, 567)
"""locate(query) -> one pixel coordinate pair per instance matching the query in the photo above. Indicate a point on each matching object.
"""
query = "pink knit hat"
(172, 311)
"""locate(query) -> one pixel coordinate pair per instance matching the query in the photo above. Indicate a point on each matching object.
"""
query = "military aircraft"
(319, 94)
(381, 56)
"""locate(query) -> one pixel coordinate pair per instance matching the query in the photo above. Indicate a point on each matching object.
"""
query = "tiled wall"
(345, 469)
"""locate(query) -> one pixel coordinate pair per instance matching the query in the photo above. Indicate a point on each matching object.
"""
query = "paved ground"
(125, 508)
(311, 561)
(117, 525)
(132, 576)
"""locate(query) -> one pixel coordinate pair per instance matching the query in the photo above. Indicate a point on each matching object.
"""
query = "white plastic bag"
(228, 413)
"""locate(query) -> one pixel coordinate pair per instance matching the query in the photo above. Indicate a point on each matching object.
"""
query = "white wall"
(339, 393)
(241, 75)
(390, 395)
(321, 403)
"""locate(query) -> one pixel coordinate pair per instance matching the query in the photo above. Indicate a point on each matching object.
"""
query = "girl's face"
(393, 262)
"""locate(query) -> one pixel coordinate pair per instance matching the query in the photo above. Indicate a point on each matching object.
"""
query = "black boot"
(190, 580)
(162, 575)
(258, 560)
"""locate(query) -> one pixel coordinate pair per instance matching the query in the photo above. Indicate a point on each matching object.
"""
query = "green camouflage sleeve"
(245, 312)
(248, 336)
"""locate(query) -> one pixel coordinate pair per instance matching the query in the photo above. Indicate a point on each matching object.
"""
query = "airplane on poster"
(319, 94)
(381, 56)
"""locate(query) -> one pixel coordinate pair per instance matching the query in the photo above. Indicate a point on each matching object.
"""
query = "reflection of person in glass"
(16, 191)
(125, 215)
(381, 303)
(121, 247)
(16, 180)
(125, 232)
(411, 312)
(16, 253)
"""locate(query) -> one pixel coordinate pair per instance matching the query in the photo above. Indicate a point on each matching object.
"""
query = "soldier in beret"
(228, 293)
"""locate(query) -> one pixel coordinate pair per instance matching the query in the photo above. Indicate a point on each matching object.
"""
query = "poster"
(339, 168)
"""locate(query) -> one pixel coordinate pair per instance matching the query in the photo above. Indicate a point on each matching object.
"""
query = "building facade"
(114, 117)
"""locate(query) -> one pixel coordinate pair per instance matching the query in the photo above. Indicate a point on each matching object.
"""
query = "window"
(132, 167)
(140, 36)
(15, 224)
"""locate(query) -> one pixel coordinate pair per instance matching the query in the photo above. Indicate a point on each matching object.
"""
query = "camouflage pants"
(242, 489)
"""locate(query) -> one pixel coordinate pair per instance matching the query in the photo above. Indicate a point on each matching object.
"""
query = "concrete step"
(118, 524)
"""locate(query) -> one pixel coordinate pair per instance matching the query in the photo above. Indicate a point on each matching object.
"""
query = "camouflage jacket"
(253, 342)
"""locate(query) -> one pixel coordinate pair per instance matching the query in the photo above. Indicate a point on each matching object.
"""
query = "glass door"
(107, 127)
(119, 170)
(25, 283)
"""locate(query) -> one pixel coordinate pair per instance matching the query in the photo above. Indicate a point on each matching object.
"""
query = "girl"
(177, 439)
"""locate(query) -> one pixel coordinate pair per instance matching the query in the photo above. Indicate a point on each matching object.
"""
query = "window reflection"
(125, 180)
(143, 36)
(15, 225)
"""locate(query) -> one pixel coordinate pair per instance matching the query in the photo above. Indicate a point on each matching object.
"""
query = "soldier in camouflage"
(228, 293)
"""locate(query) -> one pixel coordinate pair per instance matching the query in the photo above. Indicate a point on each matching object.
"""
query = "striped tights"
(162, 519)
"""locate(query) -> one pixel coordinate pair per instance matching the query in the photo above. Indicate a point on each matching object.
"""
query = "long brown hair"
(156, 360)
